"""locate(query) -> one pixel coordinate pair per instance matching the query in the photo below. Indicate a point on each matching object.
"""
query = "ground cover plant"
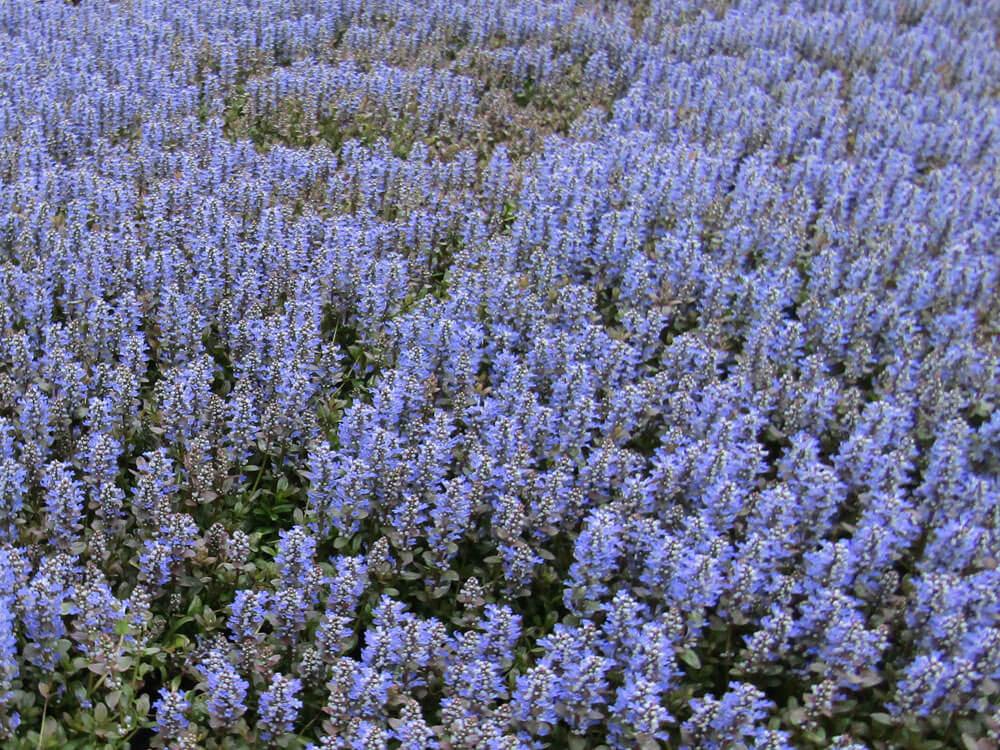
(499, 374)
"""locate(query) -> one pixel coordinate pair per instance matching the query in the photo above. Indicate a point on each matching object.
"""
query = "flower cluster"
(499, 375)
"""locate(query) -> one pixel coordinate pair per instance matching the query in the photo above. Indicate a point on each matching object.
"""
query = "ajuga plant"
(485, 374)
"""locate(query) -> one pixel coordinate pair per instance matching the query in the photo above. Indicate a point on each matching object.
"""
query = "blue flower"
(171, 708)
(279, 707)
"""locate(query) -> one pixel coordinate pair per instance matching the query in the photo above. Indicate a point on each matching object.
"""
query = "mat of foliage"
(421, 374)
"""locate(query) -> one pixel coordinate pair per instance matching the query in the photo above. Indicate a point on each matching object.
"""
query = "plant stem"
(308, 724)
(260, 469)
(41, 729)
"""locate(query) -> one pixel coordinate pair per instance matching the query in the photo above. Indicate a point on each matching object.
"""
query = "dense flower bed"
(499, 375)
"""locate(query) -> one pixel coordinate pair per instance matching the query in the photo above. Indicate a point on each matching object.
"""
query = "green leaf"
(819, 736)
(690, 658)
(796, 717)
(178, 623)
